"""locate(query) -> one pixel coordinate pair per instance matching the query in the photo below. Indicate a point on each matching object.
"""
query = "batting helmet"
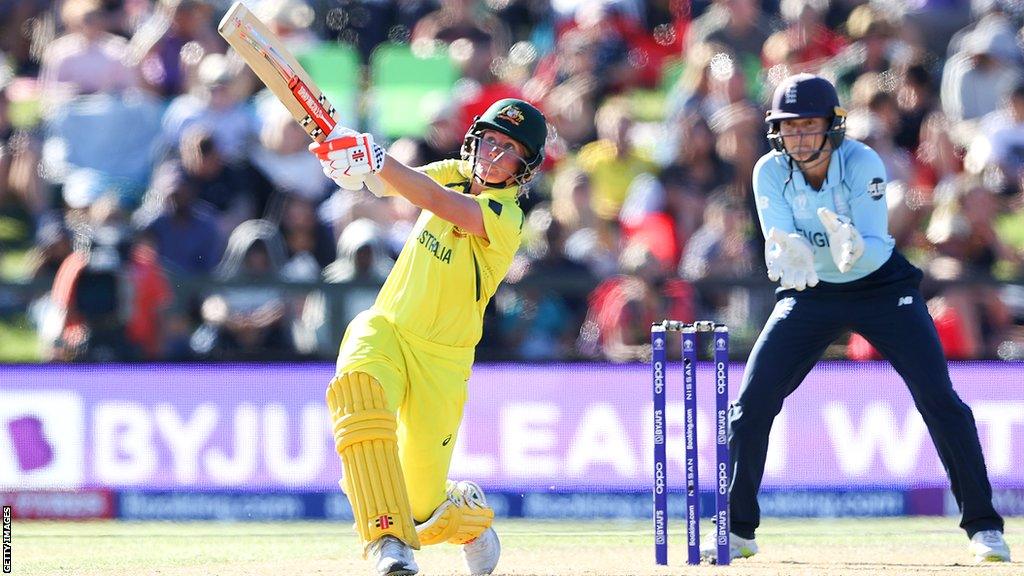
(518, 120)
(806, 96)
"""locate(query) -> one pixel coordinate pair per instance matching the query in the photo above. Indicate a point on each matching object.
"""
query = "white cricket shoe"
(482, 553)
(393, 557)
(739, 547)
(989, 546)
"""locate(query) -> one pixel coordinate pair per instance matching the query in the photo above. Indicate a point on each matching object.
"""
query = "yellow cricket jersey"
(444, 277)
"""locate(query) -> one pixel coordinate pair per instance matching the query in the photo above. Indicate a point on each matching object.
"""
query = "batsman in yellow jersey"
(401, 383)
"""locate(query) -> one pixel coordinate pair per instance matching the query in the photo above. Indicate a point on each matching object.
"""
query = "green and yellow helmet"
(518, 120)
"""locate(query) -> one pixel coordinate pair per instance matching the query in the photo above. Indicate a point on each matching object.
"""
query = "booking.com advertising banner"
(548, 430)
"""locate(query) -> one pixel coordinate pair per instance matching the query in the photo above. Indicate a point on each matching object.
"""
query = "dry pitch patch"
(906, 546)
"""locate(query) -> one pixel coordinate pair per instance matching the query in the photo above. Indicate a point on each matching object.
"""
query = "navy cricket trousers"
(887, 309)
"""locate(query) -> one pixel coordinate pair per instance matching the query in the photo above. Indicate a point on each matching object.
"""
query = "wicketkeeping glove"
(790, 260)
(351, 159)
(844, 241)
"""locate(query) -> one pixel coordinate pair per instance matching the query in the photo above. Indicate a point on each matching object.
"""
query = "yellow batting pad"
(460, 518)
(366, 439)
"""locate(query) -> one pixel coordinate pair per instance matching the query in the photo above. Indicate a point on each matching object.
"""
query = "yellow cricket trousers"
(426, 383)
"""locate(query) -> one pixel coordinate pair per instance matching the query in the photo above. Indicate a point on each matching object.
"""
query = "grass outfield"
(789, 547)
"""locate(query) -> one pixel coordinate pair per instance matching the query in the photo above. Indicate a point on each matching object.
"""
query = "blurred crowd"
(171, 211)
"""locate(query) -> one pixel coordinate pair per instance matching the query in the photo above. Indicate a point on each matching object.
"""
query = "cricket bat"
(279, 70)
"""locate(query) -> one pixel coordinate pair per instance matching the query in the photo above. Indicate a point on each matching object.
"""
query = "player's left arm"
(868, 209)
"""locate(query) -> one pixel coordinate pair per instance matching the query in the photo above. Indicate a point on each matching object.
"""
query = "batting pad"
(365, 437)
(460, 518)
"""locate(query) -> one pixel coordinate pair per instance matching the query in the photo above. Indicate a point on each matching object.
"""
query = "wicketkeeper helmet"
(806, 96)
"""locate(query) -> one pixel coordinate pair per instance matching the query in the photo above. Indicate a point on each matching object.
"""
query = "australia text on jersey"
(434, 246)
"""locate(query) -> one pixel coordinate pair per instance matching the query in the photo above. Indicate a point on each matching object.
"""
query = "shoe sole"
(402, 572)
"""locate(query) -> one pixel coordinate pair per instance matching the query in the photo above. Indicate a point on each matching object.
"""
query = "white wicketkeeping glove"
(790, 260)
(351, 159)
(844, 241)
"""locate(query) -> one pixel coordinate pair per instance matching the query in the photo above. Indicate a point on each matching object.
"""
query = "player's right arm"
(416, 187)
(773, 211)
(788, 255)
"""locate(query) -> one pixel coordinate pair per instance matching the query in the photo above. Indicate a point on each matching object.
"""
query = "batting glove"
(351, 160)
(844, 241)
(790, 260)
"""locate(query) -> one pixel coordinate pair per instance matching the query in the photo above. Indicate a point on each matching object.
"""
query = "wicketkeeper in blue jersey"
(821, 203)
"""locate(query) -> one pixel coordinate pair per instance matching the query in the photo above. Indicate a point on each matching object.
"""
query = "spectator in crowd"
(915, 97)
(566, 83)
(443, 139)
(805, 43)
(183, 232)
(962, 231)
(1000, 141)
(280, 153)
(872, 36)
(249, 319)
(290, 21)
(721, 249)
(695, 170)
(25, 26)
(213, 103)
(362, 255)
(52, 246)
(623, 307)
(612, 161)
(738, 25)
(872, 128)
(979, 76)
(108, 295)
(87, 59)
(541, 322)
(363, 262)
(231, 192)
(691, 93)
(570, 200)
(936, 161)
(455, 19)
(481, 77)
(21, 188)
(184, 33)
(309, 244)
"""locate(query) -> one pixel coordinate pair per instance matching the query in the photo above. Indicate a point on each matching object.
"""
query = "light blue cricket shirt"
(854, 187)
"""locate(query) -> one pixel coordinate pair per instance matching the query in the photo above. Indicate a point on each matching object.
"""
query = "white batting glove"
(351, 160)
(790, 260)
(844, 241)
